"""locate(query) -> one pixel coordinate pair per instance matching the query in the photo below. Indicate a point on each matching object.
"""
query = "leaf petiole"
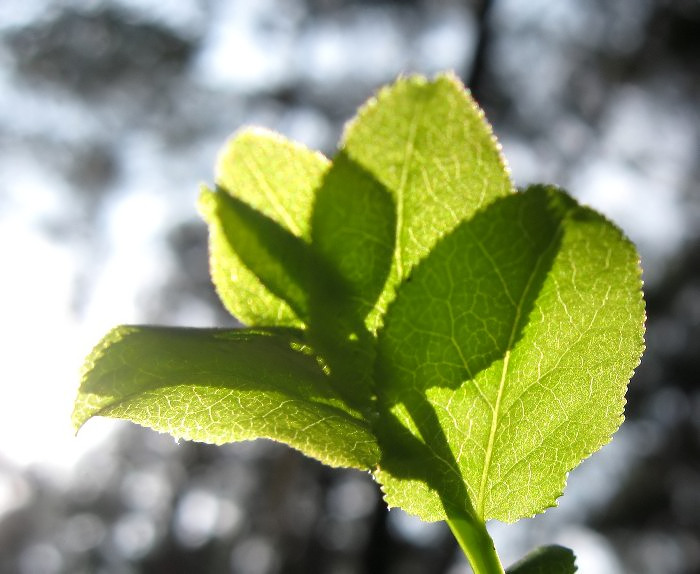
(476, 543)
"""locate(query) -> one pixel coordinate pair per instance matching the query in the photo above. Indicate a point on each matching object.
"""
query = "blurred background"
(111, 114)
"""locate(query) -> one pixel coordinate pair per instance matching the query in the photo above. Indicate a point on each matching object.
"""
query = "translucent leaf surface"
(329, 278)
(429, 145)
(353, 231)
(505, 358)
(470, 344)
(281, 263)
(278, 179)
(220, 386)
(546, 560)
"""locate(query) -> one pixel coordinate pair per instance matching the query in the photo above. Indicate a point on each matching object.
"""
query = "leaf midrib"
(123, 400)
(495, 419)
(270, 195)
(400, 191)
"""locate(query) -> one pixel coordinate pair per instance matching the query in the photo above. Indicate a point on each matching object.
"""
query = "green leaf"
(262, 222)
(470, 344)
(278, 179)
(353, 231)
(428, 144)
(219, 386)
(330, 284)
(505, 357)
(282, 262)
(546, 560)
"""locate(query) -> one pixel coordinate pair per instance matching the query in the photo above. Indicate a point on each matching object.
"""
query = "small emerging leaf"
(546, 560)
(282, 263)
(277, 178)
(330, 283)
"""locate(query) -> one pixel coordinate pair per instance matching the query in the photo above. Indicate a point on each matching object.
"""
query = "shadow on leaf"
(461, 310)
(332, 283)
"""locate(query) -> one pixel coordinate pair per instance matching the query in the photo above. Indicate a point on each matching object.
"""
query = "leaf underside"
(219, 386)
(411, 314)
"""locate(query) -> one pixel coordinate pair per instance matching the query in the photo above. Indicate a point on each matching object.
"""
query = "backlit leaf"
(505, 358)
(430, 147)
(219, 386)
(413, 314)
(278, 179)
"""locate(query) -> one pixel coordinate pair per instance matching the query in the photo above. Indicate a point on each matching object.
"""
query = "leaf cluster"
(409, 313)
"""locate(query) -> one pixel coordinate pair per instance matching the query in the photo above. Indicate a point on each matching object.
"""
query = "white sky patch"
(183, 16)
(636, 175)
(340, 50)
(447, 42)
(248, 46)
(38, 335)
(647, 209)
(20, 13)
(44, 343)
(135, 260)
(42, 350)
(42, 339)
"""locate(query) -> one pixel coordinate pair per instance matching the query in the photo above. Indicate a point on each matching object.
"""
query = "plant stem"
(476, 543)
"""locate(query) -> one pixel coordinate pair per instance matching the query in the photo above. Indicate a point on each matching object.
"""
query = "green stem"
(476, 543)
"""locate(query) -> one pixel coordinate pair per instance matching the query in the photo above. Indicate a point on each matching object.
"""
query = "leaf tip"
(84, 407)
(112, 337)
(206, 203)
(256, 137)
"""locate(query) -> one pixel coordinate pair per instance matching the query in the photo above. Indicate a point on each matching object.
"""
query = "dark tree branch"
(479, 63)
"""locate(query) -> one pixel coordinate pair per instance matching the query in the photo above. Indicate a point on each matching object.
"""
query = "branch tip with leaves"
(409, 313)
